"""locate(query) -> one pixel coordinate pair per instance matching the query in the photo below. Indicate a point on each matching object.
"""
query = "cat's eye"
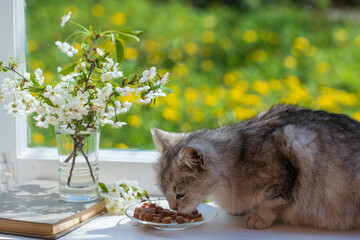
(178, 196)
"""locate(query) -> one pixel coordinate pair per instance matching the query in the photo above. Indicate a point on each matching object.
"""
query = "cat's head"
(184, 174)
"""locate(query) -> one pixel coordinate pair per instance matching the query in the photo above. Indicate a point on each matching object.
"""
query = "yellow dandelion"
(292, 80)
(53, 142)
(357, 40)
(49, 77)
(347, 99)
(190, 95)
(172, 100)
(275, 84)
(171, 114)
(250, 100)
(37, 64)
(229, 78)
(290, 62)
(207, 65)
(108, 45)
(211, 100)
(118, 18)
(175, 54)
(106, 144)
(198, 116)
(38, 138)
(356, 116)
(322, 67)
(155, 58)
(341, 35)
(218, 112)
(191, 48)
(133, 120)
(208, 37)
(259, 56)
(180, 70)
(130, 53)
(326, 101)
(121, 146)
(98, 10)
(149, 45)
(261, 87)
(32, 45)
(243, 113)
(220, 92)
(250, 36)
(301, 43)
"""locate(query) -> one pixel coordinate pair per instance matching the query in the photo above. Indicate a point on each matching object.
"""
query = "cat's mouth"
(186, 210)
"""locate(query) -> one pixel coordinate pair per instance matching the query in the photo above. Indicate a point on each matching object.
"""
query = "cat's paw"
(254, 221)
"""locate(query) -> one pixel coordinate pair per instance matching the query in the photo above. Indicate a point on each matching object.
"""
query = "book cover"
(34, 210)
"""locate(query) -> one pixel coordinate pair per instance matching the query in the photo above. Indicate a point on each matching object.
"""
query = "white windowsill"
(223, 227)
(125, 156)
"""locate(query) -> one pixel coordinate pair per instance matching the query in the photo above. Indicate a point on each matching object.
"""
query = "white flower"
(83, 96)
(164, 80)
(39, 77)
(144, 101)
(148, 74)
(125, 91)
(66, 48)
(65, 19)
(142, 89)
(59, 69)
(112, 38)
(54, 94)
(119, 124)
(51, 120)
(107, 76)
(100, 51)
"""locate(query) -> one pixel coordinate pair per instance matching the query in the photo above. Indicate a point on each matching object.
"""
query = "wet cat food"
(151, 213)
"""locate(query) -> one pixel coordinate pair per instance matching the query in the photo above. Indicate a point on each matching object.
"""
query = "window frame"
(42, 163)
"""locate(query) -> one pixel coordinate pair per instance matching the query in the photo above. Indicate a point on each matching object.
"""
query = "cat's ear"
(161, 139)
(192, 157)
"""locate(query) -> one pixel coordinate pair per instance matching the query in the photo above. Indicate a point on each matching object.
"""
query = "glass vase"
(78, 163)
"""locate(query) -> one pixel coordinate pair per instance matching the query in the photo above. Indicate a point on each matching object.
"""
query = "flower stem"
(12, 69)
(78, 146)
(73, 162)
(88, 163)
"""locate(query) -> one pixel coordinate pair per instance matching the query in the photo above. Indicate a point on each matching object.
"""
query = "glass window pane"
(228, 60)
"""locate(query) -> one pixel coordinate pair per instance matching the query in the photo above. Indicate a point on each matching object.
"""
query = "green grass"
(225, 64)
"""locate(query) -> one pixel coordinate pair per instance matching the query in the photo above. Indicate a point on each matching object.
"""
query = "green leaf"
(48, 102)
(33, 80)
(103, 187)
(68, 69)
(91, 29)
(119, 51)
(85, 47)
(127, 36)
(166, 90)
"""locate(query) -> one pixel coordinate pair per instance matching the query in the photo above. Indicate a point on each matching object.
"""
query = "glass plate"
(208, 214)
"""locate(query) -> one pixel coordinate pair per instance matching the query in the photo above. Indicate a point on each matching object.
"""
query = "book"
(34, 210)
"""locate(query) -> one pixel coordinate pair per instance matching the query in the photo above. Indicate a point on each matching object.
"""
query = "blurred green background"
(228, 60)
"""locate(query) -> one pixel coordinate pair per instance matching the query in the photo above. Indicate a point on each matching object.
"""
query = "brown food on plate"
(151, 213)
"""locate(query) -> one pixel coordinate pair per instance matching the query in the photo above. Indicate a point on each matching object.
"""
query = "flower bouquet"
(85, 96)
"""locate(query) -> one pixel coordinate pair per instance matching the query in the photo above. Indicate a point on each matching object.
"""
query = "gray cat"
(299, 166)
